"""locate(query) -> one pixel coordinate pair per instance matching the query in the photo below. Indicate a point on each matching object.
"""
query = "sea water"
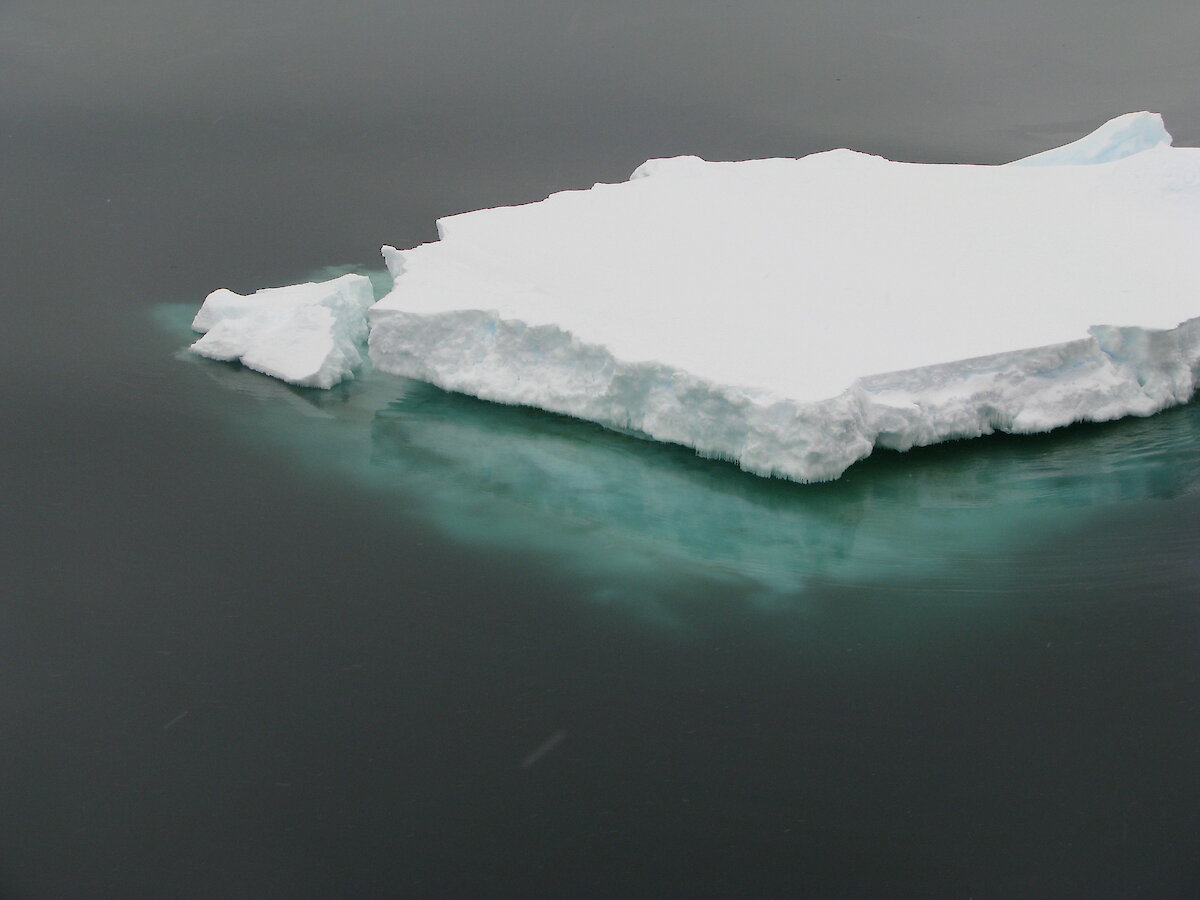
(970, 667)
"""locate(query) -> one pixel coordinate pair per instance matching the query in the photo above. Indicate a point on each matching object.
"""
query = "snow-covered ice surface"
(308, 334)
(792, 314)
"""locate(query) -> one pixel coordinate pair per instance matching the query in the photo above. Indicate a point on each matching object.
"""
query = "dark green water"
(389, 642)
(262, 641)
(969, 670)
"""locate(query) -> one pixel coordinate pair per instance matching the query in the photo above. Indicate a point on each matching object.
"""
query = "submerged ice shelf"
(638, 519)
(793, 314)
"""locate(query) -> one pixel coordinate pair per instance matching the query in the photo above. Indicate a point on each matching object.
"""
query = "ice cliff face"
(793, 314)
(306, 334)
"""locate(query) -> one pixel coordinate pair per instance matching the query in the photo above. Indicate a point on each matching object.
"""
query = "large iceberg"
(793, 314)
(308, 334)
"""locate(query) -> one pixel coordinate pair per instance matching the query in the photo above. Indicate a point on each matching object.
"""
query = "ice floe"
(793, 314)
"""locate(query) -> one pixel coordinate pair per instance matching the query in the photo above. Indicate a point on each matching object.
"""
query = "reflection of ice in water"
(635, 511)
(897, 511)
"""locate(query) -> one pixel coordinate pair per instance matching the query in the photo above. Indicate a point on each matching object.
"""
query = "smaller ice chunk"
(308, 334)
(1115, 139)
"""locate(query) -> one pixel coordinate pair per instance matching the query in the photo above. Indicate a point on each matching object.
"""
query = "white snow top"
(1115, 139)
(308, 334)
(791, 314)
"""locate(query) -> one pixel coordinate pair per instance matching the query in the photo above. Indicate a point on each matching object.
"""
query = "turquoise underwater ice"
(632, 515)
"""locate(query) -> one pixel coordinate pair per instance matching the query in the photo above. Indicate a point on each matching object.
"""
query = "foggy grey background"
(151, 563)
(318, 131)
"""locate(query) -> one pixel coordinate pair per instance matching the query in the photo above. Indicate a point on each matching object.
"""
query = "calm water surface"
(386, 641)
(262, 641)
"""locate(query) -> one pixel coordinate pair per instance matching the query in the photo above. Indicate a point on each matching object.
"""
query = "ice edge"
(1113, 372)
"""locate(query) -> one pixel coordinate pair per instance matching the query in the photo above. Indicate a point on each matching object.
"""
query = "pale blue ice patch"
(1116, 139)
